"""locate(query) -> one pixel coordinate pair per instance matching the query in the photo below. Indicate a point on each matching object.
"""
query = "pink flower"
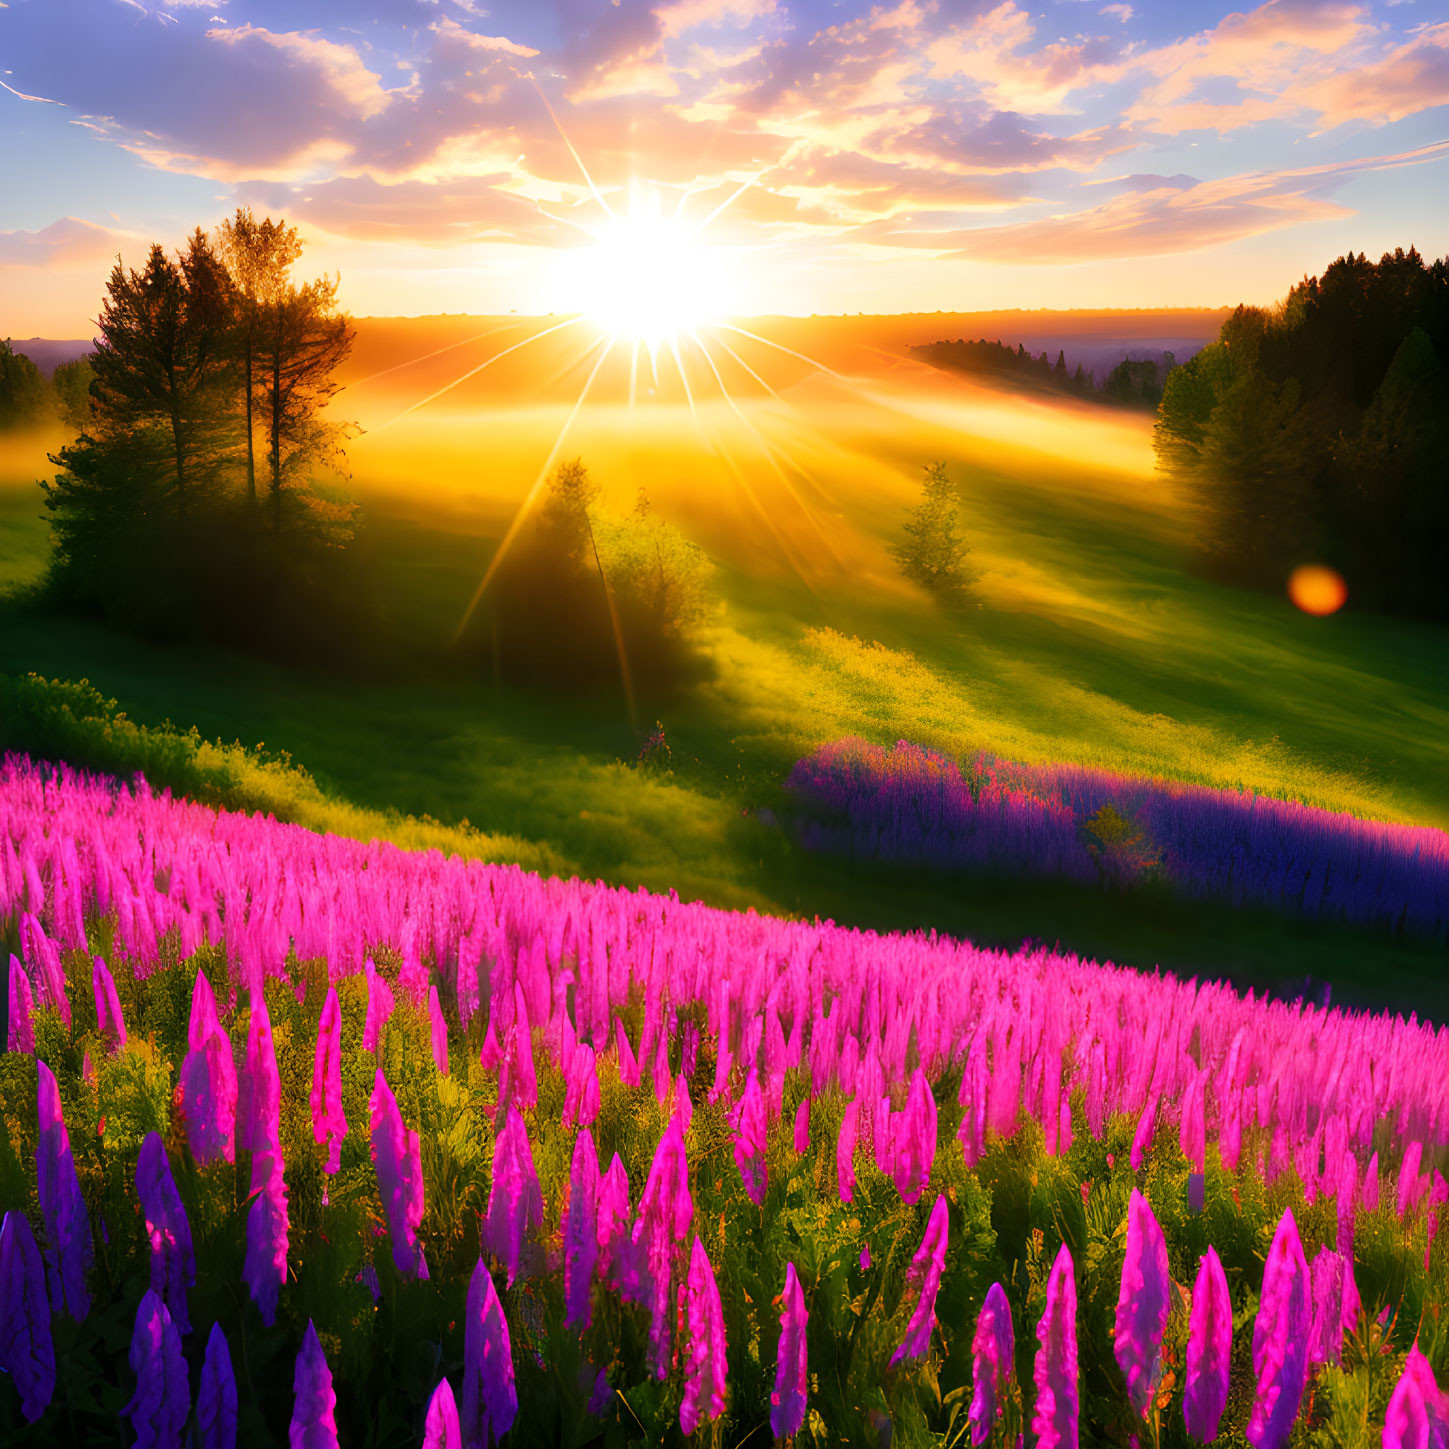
(515, 1200)
(665, 1212)
(787, 1403)
(438, 1031)
(750, 1139)
(580, 1229)
(915, 1145)
(1143, 1304)
(845, 1151)
(379, 1008)
(21, 1033)
(440, 1428)
(329, 1125)
(802, 1126)
(208, 1080)
(1209, 1350)
(924, 1276)
(1054, 1420)
(109, 1020)
(993, 1353)
(397, 1155)
(259, 1094)
(265, 1268)
(1280, 1339)
(69, 1252)
(705, 1364)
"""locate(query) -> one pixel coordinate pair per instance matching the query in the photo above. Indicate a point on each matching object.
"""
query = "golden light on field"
(648, 277)
(1317, 589)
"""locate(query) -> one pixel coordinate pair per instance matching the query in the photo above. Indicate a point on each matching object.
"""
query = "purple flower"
(216, 1400)
(1209, 1350)
(787, 1403)
(915, 1147)
(162, 1402)
(515, 1200)
(173, 1263)
(21, 1035)
(265, 1268)
(993, 1352)
(490, 1402)
(1327, 1281)
(208, 1080)
(109, 1020)
(1054, 1419)
(328, 1123)
(27, 1352)
(845, 1150)
(750, 1139)
(665, 1212)
(924, 1276)
(438, 1031)
(314, 1424)
(1146, 1128)
(616, 1250)
(397, 1154)
(1143, 1304)
(379, 1008)
(69, 1251)
(581, 1088)
(705, 1364)
(440, 1429)
(1280, 1339)
(259, 1099)
(1436, 1400)
(1406, 1422)
(580, 1230)
(802, 1126)
(367, 1276)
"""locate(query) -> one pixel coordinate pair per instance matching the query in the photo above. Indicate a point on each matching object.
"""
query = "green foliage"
(72, 384)
(934, 555)
(24, 396)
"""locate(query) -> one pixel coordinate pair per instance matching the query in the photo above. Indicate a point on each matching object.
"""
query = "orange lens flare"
(1317, 590)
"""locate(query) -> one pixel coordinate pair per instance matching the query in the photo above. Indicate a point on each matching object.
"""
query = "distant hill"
(48, 353)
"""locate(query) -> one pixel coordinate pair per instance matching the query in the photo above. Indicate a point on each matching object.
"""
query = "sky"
(917, 155)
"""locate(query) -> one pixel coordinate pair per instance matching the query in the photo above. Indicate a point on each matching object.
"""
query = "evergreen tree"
(71, 383)
(23, 394)
(934, 555)
(1059, 372)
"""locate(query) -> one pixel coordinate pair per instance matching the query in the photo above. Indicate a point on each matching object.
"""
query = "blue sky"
(913, 155)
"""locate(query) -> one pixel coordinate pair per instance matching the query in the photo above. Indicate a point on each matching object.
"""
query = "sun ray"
(780, 347)
(563, 135)
(436, 352)
(734, 196)
(679, 364)
(749, 369)
(448, 387)
(531, 496)
(633, 371)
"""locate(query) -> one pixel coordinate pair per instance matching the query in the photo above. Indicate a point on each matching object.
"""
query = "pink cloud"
(69, 242)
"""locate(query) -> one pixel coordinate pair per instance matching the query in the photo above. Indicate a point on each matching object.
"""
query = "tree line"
(196, 498)
(1133, 382)
(30, 399)
(1317, 431)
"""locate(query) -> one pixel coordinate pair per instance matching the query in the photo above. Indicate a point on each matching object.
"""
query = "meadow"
(1091, 645)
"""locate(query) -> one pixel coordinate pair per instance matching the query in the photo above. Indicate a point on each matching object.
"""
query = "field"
(1092, 644)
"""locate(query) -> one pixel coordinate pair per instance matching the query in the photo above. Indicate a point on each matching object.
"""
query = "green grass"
(1092, 644)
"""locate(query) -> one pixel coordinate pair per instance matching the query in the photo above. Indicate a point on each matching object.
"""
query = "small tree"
(72, 384)
(22, 389)
(934, 555)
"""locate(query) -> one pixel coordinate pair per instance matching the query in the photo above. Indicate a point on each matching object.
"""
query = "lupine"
(329, 1125)
(924, 1276)
(209, 1086)
(750, 1134)
(1436, 1400)
(1281, 1339)
(802, 1127)
(1054, 1420)
(845, 1151)
(27, 1351)
(314, 1421)
(162, 1402)
(1406, 1422)
(1326, 1279)
(397, 1155)
(1209, 1350)
(20, 1036)
(440, 1428)
(490, 1402)
(915, 1147)
(173, 1263)
(69, 1252)
(787, 1402)
(515, 1199)
(259, 1095)
(109, 1020)
(1143, 1304)
(617, 1260)
(993, 1353)
(437, 1031)
(580, 1230)
(705, 1364)
(264, 1270)
(379, 1008)
(666, 1210)
(216, 1398)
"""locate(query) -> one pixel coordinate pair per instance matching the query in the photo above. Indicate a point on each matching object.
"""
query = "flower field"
(320, 1142)
(912, 805)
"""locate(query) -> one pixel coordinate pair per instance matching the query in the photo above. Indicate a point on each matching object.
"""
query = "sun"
(646, 276)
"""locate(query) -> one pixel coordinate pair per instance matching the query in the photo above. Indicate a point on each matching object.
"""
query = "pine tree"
(934, 555)
(22, 389)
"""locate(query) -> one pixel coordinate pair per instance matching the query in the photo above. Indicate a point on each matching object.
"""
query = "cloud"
(1410, 79)
(69, 242)
(1172, 217)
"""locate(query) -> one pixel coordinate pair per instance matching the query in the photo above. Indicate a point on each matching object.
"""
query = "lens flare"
(1317, 590)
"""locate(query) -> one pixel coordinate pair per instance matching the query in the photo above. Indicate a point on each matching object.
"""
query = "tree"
(22, 389)
(71, 383)
(933, 555)
(259, 256)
